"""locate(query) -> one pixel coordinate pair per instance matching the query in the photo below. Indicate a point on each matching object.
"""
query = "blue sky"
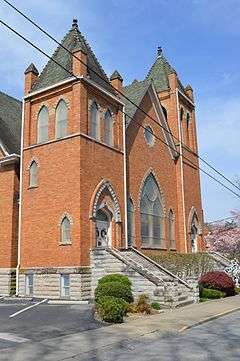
(200, 39)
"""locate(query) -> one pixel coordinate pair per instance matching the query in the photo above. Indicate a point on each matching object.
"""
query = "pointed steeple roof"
(116, 75)
(53, 73)
(159, 72)
(31, 69)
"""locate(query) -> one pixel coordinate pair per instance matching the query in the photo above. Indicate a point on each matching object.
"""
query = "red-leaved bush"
(218, 280)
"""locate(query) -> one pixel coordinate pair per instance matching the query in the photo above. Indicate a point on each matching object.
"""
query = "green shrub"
(237, 290)
(203, 300)
(155, 305)
(132, 308)
(115, 278)
(211, 294)
(114, 289)
(111, 309)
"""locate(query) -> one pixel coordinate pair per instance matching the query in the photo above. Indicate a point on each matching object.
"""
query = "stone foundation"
(7, 281)
(47, 282)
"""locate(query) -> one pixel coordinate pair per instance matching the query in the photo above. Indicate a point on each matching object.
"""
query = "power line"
(119, 92)
(48, 56)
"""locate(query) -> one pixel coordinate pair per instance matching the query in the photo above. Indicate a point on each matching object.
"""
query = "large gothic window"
(130, 222)
(108, 128)
(42, 125)
(61, 119)
(151, 214)
(94, 121)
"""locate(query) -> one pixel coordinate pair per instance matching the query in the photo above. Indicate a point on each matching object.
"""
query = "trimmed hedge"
(218, 280)
(111, 309)
(207, 293)
(183, 264)
(114, 289)
(115, 278)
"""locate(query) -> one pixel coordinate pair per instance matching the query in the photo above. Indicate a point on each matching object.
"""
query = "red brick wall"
(9, 185)
(69, 171)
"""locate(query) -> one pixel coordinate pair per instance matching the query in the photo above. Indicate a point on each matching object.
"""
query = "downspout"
(181, 167)
(20, 203)
(125, 177)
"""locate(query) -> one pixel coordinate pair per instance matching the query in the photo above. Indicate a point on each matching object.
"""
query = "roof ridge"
(135, 82)
(10, 96)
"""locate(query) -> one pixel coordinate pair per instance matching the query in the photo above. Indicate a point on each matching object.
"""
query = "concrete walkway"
(78, 345)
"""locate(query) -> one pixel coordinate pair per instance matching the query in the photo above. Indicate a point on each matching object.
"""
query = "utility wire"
(119, 92)
(48, 56)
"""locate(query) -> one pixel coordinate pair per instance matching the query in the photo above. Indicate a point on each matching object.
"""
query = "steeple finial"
(75, 24)
(159, 51)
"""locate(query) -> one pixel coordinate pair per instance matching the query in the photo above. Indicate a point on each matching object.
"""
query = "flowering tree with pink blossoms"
(224, 237)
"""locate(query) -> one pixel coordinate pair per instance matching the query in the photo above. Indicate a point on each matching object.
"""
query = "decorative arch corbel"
(193, 214)
(95, 205)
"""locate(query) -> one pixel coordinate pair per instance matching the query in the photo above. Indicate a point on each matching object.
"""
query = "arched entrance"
(106, 217)
(103, 228)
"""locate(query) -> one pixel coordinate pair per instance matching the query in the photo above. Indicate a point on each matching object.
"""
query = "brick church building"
(94, 172)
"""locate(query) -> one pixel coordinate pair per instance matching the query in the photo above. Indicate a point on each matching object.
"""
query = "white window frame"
(61, 127)
(41, 124)
(65, 288)
(108, 128)
(28, 284)
(95, 124)
(33, 177)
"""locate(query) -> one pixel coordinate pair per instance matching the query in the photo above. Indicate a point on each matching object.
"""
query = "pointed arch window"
(151, 209)
(171, 230)
(194, 233)
(130, 222)
(65, 231)
(108, 128)
(94, 121)
(33, 175)
(61, 119)
(42, 125)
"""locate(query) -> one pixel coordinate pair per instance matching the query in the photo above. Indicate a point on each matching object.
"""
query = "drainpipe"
(125, 177)
(20, 203)
(181, 167)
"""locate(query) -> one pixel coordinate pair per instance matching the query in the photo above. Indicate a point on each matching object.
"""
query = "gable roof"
(10, 123)
(53, 73)
(136, 92)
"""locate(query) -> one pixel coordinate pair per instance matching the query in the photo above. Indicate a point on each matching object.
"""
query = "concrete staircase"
(147, 276)
(222, 261)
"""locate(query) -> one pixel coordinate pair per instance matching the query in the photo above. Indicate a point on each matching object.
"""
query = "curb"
(211, 318)
(67, 302)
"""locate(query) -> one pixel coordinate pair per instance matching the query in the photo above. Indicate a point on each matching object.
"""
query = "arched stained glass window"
(130, 222)
(42, 125)
(171, 230)
(94, 121)
(61, 119)
(151, 214)
(33, 175)
(65, 231)
(108, 128)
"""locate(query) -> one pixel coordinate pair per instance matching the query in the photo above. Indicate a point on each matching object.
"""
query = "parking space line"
(27, 308)
(13, 338)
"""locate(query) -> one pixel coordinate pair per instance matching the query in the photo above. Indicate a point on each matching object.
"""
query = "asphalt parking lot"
(43, 321)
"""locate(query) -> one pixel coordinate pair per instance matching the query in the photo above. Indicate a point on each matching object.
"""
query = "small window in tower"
(33, 175)
(61, 119)
(108, 128)
(65, 231)
(95, 131)
(149, 136)
(42, 125)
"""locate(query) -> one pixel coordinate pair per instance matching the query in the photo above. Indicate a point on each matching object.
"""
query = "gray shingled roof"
(135, 92)
(53, 73)
(159, 74)
(10, 123)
